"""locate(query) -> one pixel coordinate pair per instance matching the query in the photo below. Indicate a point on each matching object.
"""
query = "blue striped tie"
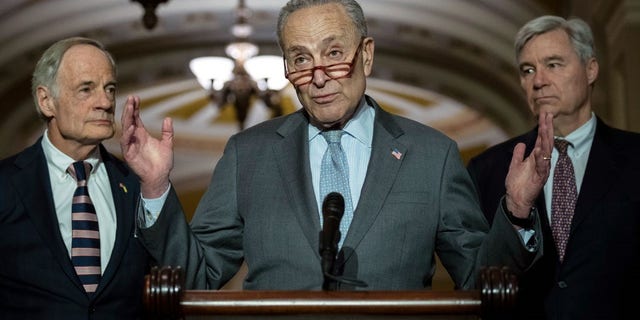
(334, 177)
(85, 240)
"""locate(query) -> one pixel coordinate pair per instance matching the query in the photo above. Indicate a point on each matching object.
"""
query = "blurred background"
(446, 63)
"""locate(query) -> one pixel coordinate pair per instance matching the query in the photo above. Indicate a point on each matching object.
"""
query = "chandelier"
(236, 79)
(241, 76)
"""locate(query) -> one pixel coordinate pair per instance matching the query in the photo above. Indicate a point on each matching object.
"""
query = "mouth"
(101, 122)
(324, 98)
(543, 100)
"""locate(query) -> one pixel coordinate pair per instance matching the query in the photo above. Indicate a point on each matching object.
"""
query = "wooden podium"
(164, 298)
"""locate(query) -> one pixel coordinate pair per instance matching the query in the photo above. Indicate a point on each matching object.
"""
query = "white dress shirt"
(63, 186)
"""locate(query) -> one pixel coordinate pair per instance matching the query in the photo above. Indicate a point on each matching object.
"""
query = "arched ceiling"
(460, 49)
(446, 63)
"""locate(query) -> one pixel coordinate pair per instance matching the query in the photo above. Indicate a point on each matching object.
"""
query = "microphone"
(332, 211)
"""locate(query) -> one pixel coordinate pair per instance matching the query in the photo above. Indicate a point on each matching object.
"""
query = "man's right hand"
(150, 158)
(527, 176)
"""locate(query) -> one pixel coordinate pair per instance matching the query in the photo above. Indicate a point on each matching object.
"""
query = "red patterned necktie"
(85, 240)
(563, 200)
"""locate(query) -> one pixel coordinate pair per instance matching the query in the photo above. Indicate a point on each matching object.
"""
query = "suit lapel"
(381, 174)
(600, 175)
(123, 189)
(33, 186)
(292, 156)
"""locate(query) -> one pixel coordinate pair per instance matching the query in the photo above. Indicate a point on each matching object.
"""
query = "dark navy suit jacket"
(601, 268)
(37, 278)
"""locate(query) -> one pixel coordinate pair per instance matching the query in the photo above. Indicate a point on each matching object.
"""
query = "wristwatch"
(525, 223)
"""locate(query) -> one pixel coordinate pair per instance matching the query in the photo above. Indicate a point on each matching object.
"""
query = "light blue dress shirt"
(581, 140)
(356, 143)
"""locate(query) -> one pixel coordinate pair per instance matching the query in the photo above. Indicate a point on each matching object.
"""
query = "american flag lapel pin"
(123, 187)
(397, 154)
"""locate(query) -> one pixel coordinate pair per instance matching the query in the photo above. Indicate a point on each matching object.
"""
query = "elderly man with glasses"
(407, 195)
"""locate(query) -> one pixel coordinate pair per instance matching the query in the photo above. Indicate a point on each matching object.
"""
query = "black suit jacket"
(37, 278)
(601, 268)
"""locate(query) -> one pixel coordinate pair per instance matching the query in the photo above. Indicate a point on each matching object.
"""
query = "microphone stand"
(328, 258)
(332, 211)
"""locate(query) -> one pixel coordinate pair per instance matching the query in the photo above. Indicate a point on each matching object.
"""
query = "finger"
(547, 133)
(136, 112)
(127, 111)
(541, 159)
(126, 122)
(544, 141)
(167, 130)
(126, 141)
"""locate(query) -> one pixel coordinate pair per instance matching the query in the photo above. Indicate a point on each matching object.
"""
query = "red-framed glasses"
(333, 71)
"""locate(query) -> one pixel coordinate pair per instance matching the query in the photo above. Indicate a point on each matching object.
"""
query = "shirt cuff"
(152, 208)
(528, 238)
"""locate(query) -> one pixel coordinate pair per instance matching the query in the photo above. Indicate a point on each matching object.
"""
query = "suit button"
(562, 284)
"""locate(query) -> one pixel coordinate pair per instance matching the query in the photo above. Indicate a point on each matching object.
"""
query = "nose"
(319, 77)
(539, 79)
(106, 100)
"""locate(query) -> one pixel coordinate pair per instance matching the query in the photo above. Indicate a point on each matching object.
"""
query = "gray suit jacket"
(260, 207)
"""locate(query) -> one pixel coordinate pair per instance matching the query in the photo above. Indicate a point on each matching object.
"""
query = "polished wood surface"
(165, 299)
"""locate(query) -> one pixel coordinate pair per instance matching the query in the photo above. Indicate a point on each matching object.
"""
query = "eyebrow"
(545, 60)
(325, 42)
(554, 57)
(93, 83)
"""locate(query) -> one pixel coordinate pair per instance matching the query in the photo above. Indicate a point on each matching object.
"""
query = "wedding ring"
(546, 158)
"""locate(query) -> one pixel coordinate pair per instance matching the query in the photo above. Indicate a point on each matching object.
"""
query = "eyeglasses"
(334, 71)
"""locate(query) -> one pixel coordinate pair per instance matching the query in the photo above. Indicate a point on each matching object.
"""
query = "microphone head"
(333, 205)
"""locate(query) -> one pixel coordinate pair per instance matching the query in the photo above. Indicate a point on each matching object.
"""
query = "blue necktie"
(334, 177)
(85, 239)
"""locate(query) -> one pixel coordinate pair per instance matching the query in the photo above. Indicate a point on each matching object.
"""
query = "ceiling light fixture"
(242, 75)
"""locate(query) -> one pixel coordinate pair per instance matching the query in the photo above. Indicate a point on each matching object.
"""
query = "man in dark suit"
(595, 273)
(407, 189)
(57, 262)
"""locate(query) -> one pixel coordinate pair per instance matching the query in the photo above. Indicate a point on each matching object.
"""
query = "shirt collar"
(60, 162)
(360, 126)
(581, 138)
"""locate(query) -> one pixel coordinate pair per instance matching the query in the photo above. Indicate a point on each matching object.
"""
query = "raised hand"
(527, 176)
(150, 158)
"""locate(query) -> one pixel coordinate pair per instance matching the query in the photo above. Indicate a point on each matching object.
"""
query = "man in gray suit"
(410, 193)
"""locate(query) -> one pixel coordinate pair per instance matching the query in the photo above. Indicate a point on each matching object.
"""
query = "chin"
(544, 108)
(103, 135)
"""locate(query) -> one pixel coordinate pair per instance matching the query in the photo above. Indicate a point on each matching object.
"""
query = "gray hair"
(352, 8)
(46, 70)
(578, 31)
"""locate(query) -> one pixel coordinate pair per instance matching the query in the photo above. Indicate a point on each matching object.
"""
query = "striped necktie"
(334, 177)
(85, 240)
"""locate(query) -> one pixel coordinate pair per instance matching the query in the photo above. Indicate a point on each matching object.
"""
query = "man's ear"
(367, 55)
(592, 70)
(45, 101)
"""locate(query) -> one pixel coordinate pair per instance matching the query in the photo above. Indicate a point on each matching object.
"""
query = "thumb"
(518, 154)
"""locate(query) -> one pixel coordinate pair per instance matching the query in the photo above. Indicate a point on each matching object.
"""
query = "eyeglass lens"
(333, 71)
